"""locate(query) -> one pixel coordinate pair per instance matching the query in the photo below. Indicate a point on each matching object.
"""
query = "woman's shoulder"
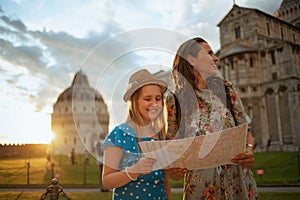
(227, 83)
(230, 87)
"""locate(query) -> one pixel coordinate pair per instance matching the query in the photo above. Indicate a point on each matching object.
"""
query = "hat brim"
(132, 90)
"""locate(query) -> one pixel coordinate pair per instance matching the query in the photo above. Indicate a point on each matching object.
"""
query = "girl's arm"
(112, 176)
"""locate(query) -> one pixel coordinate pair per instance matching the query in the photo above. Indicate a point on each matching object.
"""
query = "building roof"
(257, 11)
(80, 90)
(238, 49)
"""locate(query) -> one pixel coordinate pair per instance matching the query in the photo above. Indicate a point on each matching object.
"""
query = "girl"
(125, 169)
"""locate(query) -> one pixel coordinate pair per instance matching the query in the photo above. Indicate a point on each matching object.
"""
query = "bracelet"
(126, 171)
(249, 146)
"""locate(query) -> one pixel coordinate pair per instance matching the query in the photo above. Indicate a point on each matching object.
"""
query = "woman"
(125, 169)
(204, 103)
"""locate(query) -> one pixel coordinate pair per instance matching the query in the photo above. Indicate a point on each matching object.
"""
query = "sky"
(44, 43)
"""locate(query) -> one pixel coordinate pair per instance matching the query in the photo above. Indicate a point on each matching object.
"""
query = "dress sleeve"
(171, 117)
(119, 137)
(237, 108)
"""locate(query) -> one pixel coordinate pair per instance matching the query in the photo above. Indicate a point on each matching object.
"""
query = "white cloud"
(40, 53)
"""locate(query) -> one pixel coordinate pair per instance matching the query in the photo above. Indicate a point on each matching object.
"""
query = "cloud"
(28, 56)
(106, 39)
(15, 23)
(263, 5)
(46, 61)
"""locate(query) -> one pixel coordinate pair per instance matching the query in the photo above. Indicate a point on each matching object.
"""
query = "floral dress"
(228, 182)
(149, 186)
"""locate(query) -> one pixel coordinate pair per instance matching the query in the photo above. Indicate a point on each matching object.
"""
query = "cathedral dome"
(80, 90)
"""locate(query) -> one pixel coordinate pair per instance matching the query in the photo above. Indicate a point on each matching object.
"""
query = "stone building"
(79, 117)
(289, 11)
(260, 54)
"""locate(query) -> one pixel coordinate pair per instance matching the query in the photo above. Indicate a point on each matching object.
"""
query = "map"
(200, 152)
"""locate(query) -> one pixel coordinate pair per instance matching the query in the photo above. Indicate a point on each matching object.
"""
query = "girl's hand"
(143, 166)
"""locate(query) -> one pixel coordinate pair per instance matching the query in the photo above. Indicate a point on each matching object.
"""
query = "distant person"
(86, 158)
(99, 153)
(125, 169)
(217, 107)
(48, 159)
(73, 156)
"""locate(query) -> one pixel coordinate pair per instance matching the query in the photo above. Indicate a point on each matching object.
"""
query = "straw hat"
(139, 79)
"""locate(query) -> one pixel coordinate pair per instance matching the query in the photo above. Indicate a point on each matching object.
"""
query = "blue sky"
(44, 43)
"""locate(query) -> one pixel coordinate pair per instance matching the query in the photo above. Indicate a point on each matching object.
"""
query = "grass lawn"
(107, 196)
(279, 167)
(14, 171)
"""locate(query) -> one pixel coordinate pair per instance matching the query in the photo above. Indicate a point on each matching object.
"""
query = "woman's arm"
(168, 187)
(246, 160)
(176, 173)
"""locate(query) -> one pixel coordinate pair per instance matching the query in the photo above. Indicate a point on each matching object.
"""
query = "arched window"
(272, 54)
(282, 33)
(251, 62)
(268, 28)
(66, 140)
(232, 64)
(237, 31)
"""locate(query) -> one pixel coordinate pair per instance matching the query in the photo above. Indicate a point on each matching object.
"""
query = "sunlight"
(29, 128)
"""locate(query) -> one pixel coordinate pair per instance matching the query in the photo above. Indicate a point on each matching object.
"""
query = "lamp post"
(298, 159)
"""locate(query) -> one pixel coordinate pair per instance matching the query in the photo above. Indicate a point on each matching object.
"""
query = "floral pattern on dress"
(229, 182)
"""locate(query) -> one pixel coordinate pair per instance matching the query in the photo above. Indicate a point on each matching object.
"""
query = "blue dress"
(149, 186)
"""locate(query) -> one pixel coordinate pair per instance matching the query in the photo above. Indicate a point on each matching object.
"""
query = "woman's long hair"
(185, 80)
(181, 67)
(183, 75)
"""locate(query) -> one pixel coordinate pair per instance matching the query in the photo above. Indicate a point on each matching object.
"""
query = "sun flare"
(29, 128)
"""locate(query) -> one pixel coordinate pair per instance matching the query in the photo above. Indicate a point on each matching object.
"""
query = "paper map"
(205, 151)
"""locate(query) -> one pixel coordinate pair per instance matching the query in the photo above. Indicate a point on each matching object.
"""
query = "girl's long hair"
(158, 124)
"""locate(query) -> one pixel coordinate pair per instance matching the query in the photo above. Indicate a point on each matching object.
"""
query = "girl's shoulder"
(121, 136)
(123, 130)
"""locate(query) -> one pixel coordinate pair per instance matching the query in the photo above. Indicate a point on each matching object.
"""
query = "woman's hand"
(176, 173)
(246, 160)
